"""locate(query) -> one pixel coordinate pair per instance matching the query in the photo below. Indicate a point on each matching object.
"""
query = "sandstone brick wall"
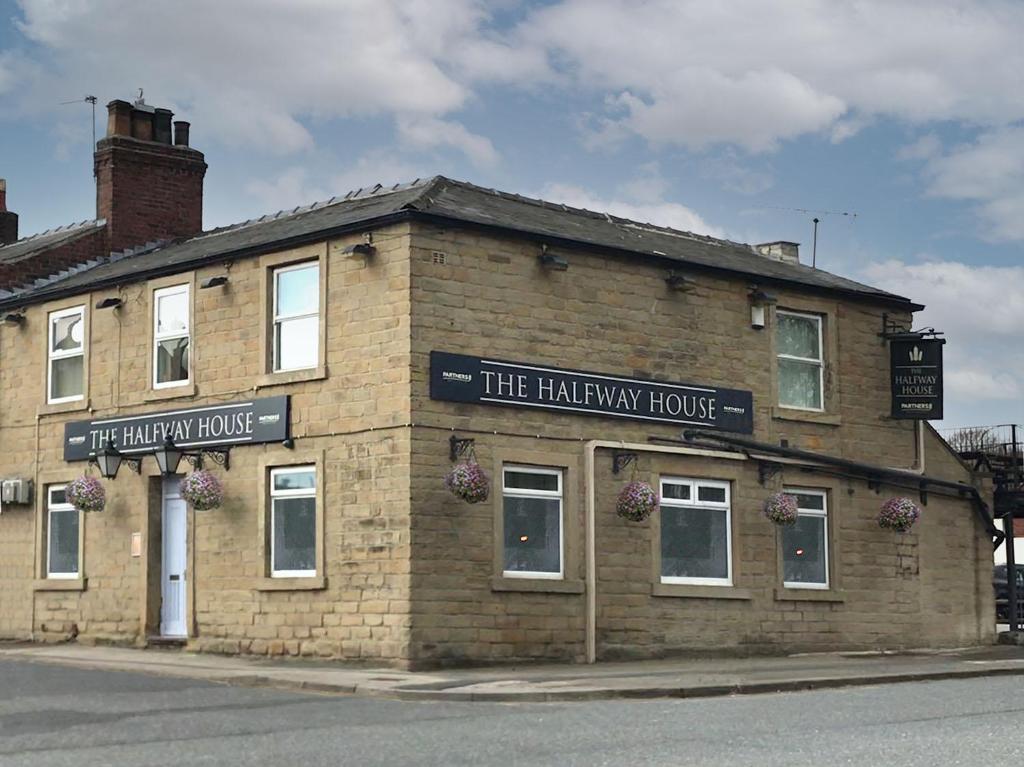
(352, 415)
(616, 315)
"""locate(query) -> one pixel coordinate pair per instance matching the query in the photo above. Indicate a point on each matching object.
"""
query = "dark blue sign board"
(460, 378)
(237, 423)
(916, 367)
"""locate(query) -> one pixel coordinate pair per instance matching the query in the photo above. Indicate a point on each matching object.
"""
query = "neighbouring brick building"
(337, 358)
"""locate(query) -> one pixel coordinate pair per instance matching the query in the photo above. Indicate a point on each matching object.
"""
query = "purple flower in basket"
(781, 508)
(898, 514)
(637, 501)
(468, 482)
(203, 490)
(86, 494)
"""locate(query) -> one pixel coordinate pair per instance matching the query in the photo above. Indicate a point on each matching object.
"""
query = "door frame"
(186, 551)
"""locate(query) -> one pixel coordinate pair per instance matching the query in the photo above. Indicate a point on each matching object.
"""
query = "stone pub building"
(330, 363)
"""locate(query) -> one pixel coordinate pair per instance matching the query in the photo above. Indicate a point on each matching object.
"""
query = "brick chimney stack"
(149, 185)
(8, 220)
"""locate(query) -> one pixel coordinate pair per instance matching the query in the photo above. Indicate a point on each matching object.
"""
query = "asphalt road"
(52, 715)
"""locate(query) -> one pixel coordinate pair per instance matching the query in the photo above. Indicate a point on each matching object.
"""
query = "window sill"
(291, 376)
(536, 585)
(60, 584)
(64, 407)
(316, 583)
(698, 592)
(809, 595)
(170, 392)
(807, 416)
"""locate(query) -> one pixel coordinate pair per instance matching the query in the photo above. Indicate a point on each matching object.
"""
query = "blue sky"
(718, 118)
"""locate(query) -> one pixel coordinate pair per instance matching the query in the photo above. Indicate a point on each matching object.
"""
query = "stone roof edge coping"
(412, 213)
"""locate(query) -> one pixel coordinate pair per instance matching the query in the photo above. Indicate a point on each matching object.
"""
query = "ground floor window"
(62, 520)
(532, 522)
(696, 532)
(805, 544)
(293, 522)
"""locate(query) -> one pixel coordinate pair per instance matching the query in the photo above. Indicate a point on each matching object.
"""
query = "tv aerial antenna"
(816, 220)
(91, 100)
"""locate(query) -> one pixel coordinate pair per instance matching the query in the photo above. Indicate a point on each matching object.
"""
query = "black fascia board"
(582, 245)
(410, 213)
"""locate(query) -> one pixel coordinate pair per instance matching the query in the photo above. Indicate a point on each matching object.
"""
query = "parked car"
(999, 583)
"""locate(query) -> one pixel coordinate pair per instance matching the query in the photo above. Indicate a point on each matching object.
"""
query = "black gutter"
(921, 482)
(408, 214)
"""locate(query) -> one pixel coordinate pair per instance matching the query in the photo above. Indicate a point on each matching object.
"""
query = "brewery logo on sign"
(461, 378)
(916, 368)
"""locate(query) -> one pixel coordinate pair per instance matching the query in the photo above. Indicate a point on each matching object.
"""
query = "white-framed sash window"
(65, 344)
(800, 360)
(805, 544)
(171, 336)
(296, 322)
(62, 521)
(293, 522)
(696, 531)
(532, 522)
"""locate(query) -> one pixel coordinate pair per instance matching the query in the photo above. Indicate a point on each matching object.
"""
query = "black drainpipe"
(860, 470)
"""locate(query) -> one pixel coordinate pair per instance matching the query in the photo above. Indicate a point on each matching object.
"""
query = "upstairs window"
(296, 317)
(800, 360)
(171, 336)
(66, 355)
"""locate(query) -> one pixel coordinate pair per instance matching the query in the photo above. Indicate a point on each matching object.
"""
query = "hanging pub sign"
(237, 423)
(460, 378)
(916, 369)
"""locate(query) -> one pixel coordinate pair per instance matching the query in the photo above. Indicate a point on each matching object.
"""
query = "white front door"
(172, 578)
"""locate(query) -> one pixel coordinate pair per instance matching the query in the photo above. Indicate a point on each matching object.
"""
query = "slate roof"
(443, 200)
(37, 243)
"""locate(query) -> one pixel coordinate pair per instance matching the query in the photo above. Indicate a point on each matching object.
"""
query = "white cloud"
(429, 133)
(988, 172)
(981, 311)
(661, 213)
(255, 73)
(754, 73)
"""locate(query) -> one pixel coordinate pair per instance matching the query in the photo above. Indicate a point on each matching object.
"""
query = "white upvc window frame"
(305, 492)
(693, 503)
(62, 508)
(821, 513)
(52, 355)
(278, 318)
(819, 362)
(167, 336)
(517, 492)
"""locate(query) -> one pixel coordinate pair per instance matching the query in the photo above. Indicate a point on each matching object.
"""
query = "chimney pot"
(162, 126)
(142, 124)
(119, 118)
(3, 195)
(781, 250)
(181, 133)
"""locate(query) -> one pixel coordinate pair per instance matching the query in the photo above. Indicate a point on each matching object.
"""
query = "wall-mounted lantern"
(759, 302)
(168, 456)
(109, 459)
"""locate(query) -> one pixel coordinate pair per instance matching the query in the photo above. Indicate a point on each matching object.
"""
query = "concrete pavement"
(684, 677)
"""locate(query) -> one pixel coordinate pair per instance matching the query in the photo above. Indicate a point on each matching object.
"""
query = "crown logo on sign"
(916, 355)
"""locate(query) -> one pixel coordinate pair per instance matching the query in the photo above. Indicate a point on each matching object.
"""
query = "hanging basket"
(86, 494)
(468, 482)
(202, 490)
(637, 501)
(898, 514)
(781, 508)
